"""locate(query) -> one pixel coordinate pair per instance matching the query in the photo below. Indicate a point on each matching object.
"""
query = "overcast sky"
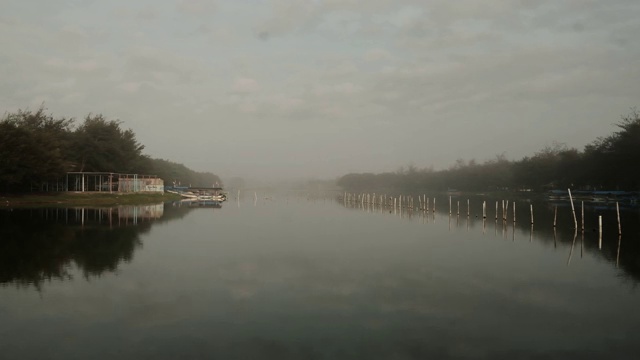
(320, 88)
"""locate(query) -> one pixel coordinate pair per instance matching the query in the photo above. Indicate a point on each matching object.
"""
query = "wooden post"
(619, 225)
(458, 213)
(449, 205)
(506, 211)
(531, 207)
(618, 252)
(573, 210)
(468, 207)
(514, 211)
(600, 232)
(582, 216)
(434, 205)
(555, 215)
(484, 209)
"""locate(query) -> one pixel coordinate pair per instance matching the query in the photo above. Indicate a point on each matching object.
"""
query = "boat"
(198, 193)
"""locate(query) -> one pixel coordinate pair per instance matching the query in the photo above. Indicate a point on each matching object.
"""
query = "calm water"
(300, 278)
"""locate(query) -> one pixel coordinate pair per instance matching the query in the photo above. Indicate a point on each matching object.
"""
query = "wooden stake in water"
(506, 211)
(573, 210)
(555, 215)
(484, 209)
(514, 211)
(600, 232)
(531, 207)
(449, 205)
(582, 216)
(468, 208)
(496, 210)
(619, 225)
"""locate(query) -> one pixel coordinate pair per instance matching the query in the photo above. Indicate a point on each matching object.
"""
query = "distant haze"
(273, 89)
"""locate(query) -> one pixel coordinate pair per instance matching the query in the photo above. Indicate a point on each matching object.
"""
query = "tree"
(101, 145)
(33, 148)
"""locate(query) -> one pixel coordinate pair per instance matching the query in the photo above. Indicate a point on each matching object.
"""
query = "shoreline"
(96, 199)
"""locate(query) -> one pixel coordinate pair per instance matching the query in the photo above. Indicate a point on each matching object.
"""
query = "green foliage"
(101, 145)
(613, 160)
(607, 163)
(172, 172)
(37, 148)
(33, 148)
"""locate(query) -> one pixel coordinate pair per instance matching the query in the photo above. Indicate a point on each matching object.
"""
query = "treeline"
(611, 163)
(36, 148)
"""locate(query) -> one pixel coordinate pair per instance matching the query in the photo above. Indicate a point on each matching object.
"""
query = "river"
(313, 277)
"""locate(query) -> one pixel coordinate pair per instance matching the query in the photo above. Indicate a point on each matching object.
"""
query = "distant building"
(112, 182)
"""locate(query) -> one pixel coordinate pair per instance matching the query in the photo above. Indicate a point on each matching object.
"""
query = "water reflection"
(40, 245)
(299, 280)
(553, 221)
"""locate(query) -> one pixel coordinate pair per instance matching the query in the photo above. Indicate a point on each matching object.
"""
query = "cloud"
(197, 7)
(424, 69)
(377, 54)
(245, 86)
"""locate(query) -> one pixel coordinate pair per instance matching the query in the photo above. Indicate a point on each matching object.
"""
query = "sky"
(274, 89)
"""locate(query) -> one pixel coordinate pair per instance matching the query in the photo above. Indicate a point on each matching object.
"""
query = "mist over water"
(284, 276)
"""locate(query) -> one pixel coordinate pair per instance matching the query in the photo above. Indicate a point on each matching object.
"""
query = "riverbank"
(83, 199)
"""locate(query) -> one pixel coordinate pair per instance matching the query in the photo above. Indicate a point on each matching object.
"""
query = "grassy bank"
(82, 199)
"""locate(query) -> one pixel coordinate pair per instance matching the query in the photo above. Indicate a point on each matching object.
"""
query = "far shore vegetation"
(37, 148)
(608, 163)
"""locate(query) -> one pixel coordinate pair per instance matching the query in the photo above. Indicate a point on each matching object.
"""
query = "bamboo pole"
(573, 210)
(600, 232)
(506, 211)
(531, 207)
(575, 236)
(618, 252)
(619, 224)
(582, 216)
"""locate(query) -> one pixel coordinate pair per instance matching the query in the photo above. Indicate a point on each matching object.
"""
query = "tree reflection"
(39, 245)
(45, 244)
